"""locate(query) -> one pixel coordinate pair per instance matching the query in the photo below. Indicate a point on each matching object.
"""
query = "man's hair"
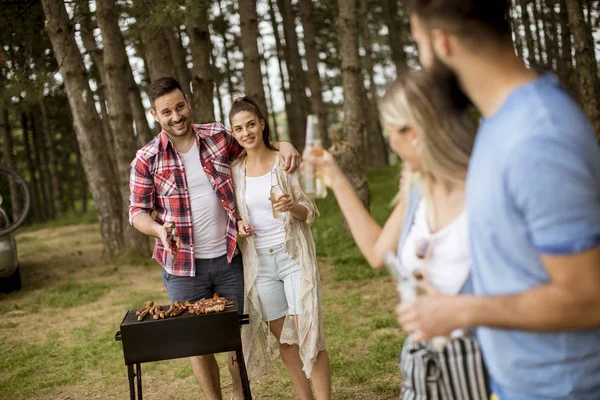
(163, 86)
(467, 18)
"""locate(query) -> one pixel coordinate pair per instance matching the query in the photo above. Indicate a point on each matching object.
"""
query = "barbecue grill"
(183, 336)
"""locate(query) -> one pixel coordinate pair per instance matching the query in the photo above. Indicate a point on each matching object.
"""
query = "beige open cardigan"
(259, 347)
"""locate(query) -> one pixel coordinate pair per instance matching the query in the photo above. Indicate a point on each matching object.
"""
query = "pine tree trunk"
(87, 126)
(531, 56)
(157, 53)
(216, 73)
(586, 64)
(317, 104)
(228, 69)
(38, 210)
(50, 150)
(10, 162)
(279, 55)
(253, 78)
(142, 128)
(84, 17)
(515, 23)
(566, 50)
(68, 177)
(375, 142)
(353, 125)
(202, 81)
(550, 31)
(121, 119)
(299, 103)
(40, 157)
(274, 127)
(178, 55)
(394, 25)
(542, 39)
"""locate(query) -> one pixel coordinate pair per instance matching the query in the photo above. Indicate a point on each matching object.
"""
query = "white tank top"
(448, 263)
(268, 231)
(208, 215)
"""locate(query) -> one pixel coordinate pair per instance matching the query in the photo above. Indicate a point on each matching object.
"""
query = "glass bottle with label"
(275, 193)
(314, 185)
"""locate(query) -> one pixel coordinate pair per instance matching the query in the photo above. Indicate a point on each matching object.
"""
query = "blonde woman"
(282, 284)
(428, 226)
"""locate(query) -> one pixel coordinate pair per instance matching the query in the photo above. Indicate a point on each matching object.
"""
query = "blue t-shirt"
(533, 188)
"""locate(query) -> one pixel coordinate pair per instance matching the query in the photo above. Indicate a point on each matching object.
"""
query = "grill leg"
(130, 378)
(243, 375)
(138, 369)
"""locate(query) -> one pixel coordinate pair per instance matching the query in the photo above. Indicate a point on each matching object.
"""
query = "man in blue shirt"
(533, 200)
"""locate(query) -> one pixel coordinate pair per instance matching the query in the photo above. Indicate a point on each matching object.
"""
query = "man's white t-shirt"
(208, 215)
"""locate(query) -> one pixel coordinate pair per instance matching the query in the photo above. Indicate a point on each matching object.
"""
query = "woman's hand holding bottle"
(328, 167)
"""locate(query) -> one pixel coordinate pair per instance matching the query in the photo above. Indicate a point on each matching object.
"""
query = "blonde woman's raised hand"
(329, 168)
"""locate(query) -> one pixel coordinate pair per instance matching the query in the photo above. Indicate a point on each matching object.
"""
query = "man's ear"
(441, 43)
(187, 100)
(154, 114)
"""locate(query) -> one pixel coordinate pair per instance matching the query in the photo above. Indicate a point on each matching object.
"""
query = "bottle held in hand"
(314, 184)
(275, 194)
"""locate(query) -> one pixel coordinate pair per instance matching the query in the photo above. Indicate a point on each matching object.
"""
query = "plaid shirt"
(158, 183)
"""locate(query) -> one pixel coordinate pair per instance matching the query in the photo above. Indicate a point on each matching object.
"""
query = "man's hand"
(289, 157)
(431, 315)
(244, 229)
(163, 233)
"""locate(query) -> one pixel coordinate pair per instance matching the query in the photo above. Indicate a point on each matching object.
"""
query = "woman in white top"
(282, 283)
(428, 226)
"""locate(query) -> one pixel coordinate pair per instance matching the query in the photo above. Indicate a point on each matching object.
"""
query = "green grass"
(336, 245)
(69, 295)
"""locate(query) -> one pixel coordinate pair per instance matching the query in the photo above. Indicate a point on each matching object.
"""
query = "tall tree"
(586, 64)
(317, 104)
(353, 125)
(50, 150)
(202, 81)
(253, 78)
(121, 119)
(37, 133)
(531, 56)
(299, 110)
(37, 205)
(9, 161)
(157, 52)
(221, 26)
(566, 58)
(178, 55)
(280, 61)
(395, 26)
(376, 148)
(87, 125)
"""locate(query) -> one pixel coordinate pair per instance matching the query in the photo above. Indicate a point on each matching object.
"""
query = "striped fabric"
(455, 373)
(158, 183)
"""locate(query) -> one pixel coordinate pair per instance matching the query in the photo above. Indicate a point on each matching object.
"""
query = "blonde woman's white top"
(448, 262)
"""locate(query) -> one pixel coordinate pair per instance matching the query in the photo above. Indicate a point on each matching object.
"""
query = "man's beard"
(449, 84)
(170, 130)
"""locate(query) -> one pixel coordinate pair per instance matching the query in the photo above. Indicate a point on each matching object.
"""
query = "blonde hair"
(446, 133)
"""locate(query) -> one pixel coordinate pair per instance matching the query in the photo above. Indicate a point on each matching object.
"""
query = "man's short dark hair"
(467, 18)
(163, 86)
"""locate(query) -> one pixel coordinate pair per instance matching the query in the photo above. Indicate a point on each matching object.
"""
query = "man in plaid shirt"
(184, 175)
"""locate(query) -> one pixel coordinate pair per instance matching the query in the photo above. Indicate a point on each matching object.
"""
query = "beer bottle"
(314, 186)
